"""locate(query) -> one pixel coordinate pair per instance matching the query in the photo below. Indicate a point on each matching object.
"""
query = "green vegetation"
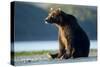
(42, 52)
(29, 53)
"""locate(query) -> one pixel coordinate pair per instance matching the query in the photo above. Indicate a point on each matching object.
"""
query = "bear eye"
(52, 16)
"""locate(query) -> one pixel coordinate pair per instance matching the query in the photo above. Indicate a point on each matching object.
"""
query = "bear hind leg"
(80, 54)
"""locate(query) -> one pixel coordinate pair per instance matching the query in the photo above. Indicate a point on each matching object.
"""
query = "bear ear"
(59, 9)
(51, 9)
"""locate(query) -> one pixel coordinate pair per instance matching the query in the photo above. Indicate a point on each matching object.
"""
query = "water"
(43, 45)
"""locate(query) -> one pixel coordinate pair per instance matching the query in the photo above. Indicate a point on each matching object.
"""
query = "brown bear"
(73, 41)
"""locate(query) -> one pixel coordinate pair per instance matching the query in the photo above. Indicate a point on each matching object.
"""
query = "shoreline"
(43, 52)
(37, 59)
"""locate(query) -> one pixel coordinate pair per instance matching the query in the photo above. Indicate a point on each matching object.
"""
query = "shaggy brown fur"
(73, 41)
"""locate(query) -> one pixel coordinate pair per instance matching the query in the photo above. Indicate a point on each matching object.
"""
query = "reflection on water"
(43, 45)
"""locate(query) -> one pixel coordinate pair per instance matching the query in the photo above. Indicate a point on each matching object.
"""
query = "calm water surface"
(43, 45)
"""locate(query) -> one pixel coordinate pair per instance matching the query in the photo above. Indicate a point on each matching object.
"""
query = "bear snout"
(46, 21)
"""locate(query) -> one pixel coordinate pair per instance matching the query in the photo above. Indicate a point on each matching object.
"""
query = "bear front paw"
(49, 55)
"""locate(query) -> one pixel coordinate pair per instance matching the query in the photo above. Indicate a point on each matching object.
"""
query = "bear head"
(59, 17)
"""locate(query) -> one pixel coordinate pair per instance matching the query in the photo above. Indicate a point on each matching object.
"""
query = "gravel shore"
(43, 59)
